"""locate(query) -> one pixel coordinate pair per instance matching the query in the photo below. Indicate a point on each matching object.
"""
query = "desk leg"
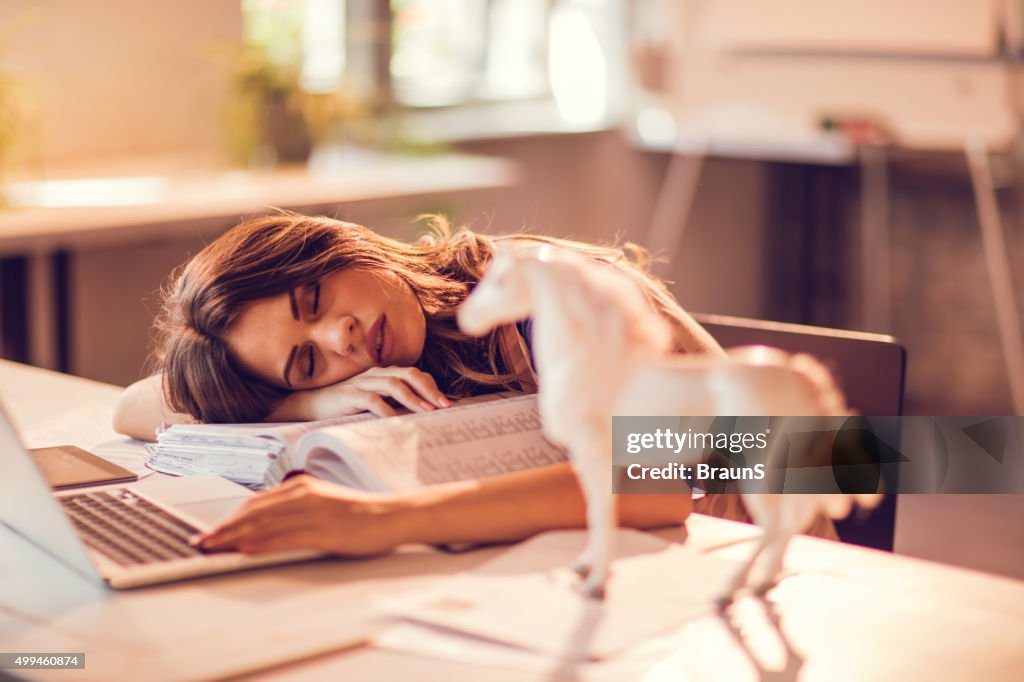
(14, 311)
(35, 310)
(673, 205)
(998, 266)
(42, 311)
(875, 252)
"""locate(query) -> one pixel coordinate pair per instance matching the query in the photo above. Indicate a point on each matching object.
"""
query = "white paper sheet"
(527, 597)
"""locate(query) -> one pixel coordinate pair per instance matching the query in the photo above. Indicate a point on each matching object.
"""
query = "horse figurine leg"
(765, 512)
(742, 576)
(774, 553)
(780, 517)
(592, 461)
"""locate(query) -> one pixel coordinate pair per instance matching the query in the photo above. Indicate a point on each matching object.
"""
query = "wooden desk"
(32, 396)
(847, 613)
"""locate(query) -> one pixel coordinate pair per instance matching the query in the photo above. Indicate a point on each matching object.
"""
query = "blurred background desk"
(79, 253)
(805, 239)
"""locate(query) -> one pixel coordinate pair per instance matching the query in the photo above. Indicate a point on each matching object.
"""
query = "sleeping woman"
(288, 317)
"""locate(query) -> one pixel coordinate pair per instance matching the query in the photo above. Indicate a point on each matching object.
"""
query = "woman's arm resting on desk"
(307, 513)
(141, 409)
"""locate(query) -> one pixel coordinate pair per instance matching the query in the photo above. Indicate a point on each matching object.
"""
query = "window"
(439, 53)
(456, 51)
(306, 34)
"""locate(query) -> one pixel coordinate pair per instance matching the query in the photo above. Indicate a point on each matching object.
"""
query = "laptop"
(123, 535)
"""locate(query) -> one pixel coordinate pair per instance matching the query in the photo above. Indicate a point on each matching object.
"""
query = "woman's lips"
(387, 341)
(372, 337)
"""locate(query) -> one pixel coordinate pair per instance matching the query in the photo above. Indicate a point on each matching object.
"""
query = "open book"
(474, 439)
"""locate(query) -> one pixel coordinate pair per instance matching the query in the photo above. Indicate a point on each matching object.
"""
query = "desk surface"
(846, 612)
(137, 202)
(33, 396)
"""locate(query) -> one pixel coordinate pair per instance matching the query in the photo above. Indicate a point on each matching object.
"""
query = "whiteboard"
(955, 27)
(772, 69)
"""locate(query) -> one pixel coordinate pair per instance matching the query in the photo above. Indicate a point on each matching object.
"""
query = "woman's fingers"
(425, 386)
(244, 528)
(421, 382)
(258, 512)
(344, 534)
(236, 528)
(373, 402)
(396, 388)
(410, 387)
(246, 534)
(307, 513)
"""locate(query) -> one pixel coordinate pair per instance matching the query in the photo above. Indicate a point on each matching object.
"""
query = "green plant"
(271, 117)
(18, 109)
(255, 82)
(17, 120)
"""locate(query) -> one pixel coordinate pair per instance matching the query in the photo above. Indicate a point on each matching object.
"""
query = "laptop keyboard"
(128, 529)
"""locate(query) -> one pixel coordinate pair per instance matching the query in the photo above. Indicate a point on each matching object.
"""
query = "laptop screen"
(28, 507)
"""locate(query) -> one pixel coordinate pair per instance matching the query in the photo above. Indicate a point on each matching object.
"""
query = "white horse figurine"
(601, 350)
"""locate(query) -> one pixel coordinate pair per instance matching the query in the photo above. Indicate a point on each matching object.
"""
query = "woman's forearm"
(516, 506)
(141, 409)
(308, 513)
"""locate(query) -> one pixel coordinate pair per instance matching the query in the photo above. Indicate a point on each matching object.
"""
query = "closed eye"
(311, 364)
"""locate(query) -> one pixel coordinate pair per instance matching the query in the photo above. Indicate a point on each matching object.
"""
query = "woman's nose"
(337, 335)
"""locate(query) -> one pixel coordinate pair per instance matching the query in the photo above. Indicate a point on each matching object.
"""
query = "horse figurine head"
(596, 302)
(502, 296)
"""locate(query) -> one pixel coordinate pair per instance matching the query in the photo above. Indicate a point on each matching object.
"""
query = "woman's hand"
(307, 513)
(366, 391)
(310, 514)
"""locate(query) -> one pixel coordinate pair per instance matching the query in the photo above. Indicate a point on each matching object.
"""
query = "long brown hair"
(270, 255)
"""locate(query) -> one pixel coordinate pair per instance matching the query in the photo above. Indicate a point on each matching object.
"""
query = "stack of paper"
(238, 452)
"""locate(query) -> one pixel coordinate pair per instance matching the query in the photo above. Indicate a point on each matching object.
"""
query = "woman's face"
(329, 330)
